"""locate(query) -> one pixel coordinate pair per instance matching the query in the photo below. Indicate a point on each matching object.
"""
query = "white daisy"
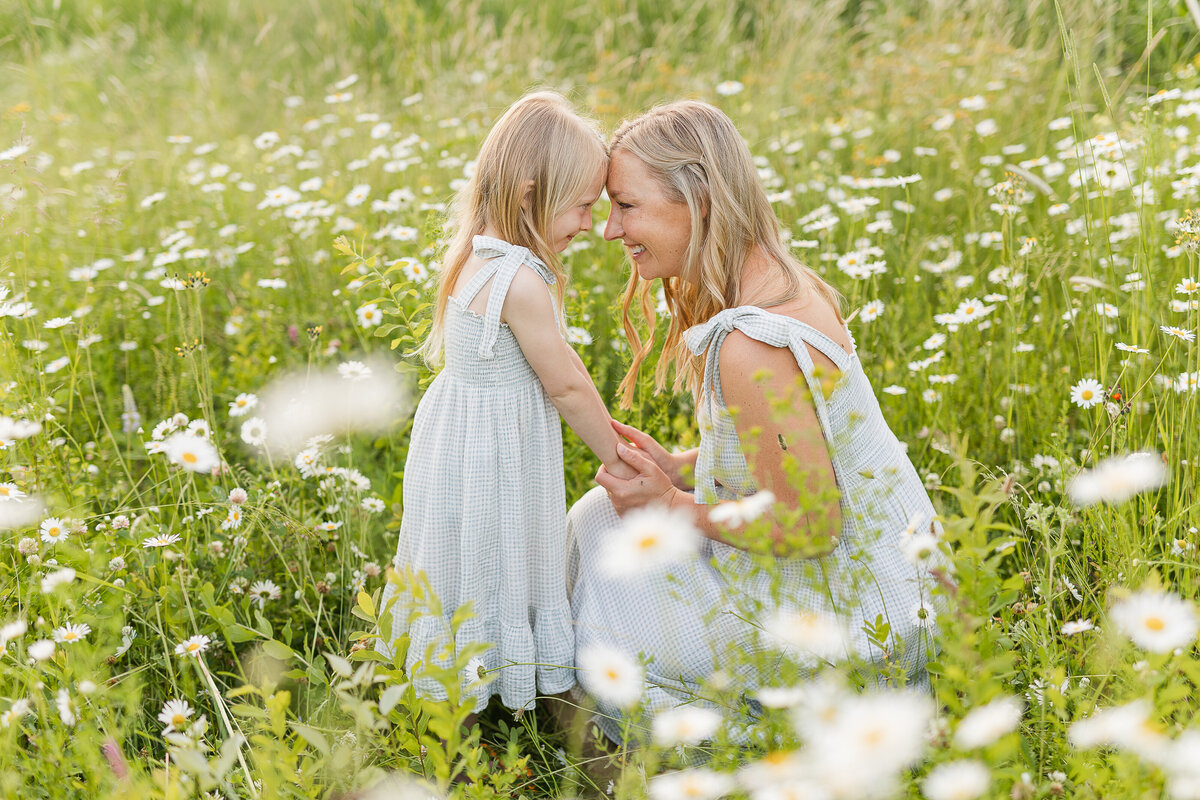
(1156, 621)
(54, 530)
(1117, 479)
(70, 633)
(736, 513)
(987, 723)
(1087, 393)
(610, 675)
(647, 539)
(175, 714)
(193, 453)
(956, 780)
(193, 646)
(684, 725)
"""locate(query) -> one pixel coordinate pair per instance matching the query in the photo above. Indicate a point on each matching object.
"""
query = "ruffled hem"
(522, 661)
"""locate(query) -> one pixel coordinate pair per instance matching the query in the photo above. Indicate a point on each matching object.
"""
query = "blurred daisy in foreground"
(193, 453)
(987, 723)
(647, 539)
(735, 513)
(729, 88)
(956, 780)
(699, 783)
(684, 725)
(1117, 479)
(809, 634)
(610, 675)
(1156, 621)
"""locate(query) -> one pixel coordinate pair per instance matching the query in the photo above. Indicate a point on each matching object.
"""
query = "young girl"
(484, 502)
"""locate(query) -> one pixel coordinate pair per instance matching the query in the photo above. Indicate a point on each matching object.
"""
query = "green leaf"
(277, 649)
(313, 736)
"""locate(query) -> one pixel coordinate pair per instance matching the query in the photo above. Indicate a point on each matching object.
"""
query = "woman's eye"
(624, 206)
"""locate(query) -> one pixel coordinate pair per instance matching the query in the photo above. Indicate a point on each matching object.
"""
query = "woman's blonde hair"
(698, 158)
(539, 139)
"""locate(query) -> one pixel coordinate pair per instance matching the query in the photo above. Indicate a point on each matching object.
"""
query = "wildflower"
(66, 709)
(1156, 621)
(232, 520)
(1131, 348)
(971, 310)
(193, 646)
(1117, 479)
(40, 650)
(610, 675)
(54, 530)
(698, 783)
(684, 725)
(56, 579)
(254, 432)
(871, 311)
(70, 633)
(369, 315)
(1087, 393)
(9, 491)
(358, 195)
(237, 496)
(1178, 333)
(920, 549)
(1187, 286)
(192, 453)
(262, 591)
(1129, 727)
(987, 723)
(729, 88)
(175, 714)
(372, 504)
(19, 708)
(649, 538)
(735, 513)
(809, 634)
(161, 540)
(12, 631)
(354, 371)
(1077, 626)
(956, 780)
(924, 615)
(242, 404)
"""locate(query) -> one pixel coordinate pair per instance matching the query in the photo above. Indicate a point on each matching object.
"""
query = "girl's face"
(654, 228)
(578, 218)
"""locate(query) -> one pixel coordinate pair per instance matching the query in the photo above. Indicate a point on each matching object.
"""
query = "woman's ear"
(527, 194)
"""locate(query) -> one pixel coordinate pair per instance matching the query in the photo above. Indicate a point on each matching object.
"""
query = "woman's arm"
(784, 446)
(530, 315)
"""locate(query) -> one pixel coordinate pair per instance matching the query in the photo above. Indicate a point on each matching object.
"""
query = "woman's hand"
(650, 486)
(669, 463)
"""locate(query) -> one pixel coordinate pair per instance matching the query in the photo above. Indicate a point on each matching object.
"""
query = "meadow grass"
(1004, 194)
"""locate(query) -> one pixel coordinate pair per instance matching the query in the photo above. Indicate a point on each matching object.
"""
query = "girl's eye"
(624, 206)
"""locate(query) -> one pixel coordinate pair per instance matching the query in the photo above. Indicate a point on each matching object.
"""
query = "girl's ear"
(527, 194)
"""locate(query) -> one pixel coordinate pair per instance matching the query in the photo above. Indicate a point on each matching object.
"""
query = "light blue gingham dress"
(688, 619)
(484, 503)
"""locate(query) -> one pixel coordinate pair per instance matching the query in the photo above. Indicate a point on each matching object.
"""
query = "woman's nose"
(612, 228)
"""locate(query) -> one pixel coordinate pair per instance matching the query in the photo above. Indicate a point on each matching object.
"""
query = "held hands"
(657, 453)
(650, 485)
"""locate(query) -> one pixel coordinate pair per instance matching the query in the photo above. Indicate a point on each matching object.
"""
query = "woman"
(753, 330)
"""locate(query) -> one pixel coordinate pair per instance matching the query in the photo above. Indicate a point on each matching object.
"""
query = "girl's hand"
(667, 462)
(651, 486)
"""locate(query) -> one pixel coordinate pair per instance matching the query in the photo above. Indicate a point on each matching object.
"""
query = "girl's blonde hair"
(539, 139)
(698, 158)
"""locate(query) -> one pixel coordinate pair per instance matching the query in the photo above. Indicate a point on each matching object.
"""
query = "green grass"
(120, 102)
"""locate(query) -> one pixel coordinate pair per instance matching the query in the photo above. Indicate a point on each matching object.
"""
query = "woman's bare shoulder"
(817, 313)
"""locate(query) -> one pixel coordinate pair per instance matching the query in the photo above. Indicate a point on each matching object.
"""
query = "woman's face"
(654, 228)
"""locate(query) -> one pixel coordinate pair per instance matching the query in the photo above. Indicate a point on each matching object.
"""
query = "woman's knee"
(590, 518)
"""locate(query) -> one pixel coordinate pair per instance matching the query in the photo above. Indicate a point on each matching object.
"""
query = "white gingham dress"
(687, 619)
(484, 502)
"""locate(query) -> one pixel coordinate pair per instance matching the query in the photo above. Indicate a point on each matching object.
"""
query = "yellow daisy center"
(1086, 394)
(70, 636)
(193, 647)
(1155, 623)
(178, 719)
(190, 458)
(648, 541)
(611, 674)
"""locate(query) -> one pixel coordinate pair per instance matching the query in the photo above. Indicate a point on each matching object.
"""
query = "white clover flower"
(956, 780)
(987, 723)
(610, 675)
(649, 538)
(1156, 621)
(1117, 479)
